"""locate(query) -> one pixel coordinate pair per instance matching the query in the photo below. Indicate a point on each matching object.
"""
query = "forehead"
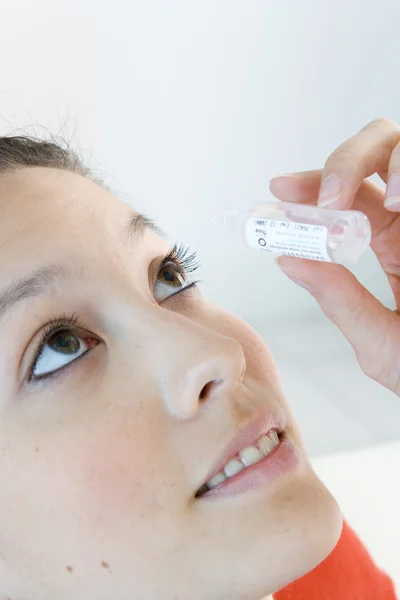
(42, 197)
(50, 215)
(55, 225)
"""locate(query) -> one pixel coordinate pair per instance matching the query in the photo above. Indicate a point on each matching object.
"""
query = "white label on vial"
(288, 238)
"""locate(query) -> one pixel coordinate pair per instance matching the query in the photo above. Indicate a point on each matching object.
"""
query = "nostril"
(207, 388)
(204, 392)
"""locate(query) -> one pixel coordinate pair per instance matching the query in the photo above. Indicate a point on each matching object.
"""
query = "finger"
(297, 187)
(372, 330)
(294, 186)
(392, 197)
(304, 187)
(359, 157)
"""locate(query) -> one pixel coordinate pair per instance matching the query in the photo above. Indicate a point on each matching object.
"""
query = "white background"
(187, 107)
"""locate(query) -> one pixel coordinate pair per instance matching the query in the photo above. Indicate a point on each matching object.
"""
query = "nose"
(196, 365)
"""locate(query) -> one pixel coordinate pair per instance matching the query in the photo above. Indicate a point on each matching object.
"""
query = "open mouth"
(246, 458)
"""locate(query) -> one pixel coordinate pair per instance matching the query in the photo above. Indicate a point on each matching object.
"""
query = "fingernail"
(392, 199)
(330, 190)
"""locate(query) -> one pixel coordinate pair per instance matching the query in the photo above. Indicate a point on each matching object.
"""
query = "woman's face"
(100, 462)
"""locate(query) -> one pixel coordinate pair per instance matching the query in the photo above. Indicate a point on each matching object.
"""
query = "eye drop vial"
(303, 231)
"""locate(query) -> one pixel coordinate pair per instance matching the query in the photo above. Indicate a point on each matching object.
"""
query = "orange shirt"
(348, 573)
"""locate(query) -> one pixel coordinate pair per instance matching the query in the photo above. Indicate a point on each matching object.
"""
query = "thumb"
(372, 329)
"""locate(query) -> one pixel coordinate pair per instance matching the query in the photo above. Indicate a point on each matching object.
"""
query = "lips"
(246, 436)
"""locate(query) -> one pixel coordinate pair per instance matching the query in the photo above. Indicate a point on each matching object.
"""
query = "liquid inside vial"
(302, 231)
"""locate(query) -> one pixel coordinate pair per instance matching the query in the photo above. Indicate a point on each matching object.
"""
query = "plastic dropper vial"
(303, 231)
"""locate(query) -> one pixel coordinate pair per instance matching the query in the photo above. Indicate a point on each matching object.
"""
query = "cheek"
(116, 469)
(259, 359)
(260, 364)
(101, 482)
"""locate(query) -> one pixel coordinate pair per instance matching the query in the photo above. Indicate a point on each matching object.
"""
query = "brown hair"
(17, 152)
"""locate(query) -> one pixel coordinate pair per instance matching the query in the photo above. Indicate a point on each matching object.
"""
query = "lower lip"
(283, 459)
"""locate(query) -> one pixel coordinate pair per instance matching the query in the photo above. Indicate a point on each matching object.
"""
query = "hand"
(372, 329)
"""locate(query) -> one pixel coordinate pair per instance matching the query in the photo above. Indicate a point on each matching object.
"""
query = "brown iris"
(170, 276)
(64, 342)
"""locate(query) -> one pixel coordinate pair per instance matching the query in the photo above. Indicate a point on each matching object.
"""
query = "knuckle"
(354, 152)
(383, 123)
(386, 369)
(344, 155)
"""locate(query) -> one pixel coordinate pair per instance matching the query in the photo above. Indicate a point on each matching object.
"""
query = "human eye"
(173, 273)
(65, 340)
(62, 342)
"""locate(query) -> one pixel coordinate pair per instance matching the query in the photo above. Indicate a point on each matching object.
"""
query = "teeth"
(248, 456)
(274, 437)
(266, 444)
(218, 478)
(232, 467)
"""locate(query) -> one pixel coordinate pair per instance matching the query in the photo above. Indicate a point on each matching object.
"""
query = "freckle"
(37, 449)
(70, 569)
(104, 564)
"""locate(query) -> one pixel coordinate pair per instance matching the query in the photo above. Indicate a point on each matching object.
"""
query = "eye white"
(51, 360)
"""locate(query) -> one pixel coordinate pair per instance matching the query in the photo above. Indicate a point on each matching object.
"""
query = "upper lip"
(246, 436)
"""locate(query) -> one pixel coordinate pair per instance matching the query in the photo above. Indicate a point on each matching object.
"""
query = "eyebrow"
(43, 278)
(138, 224)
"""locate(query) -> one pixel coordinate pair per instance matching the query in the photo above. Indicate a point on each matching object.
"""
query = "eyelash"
(74, 324)
(183, 264)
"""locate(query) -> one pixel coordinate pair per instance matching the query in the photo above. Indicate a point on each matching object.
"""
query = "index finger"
(359, 157)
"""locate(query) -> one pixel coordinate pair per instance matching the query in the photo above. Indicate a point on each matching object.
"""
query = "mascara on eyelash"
(60, 323)
(177, 256)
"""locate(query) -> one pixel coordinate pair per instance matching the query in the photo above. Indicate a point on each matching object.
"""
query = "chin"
(308, 525)
(315, 531)
(265, 540)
